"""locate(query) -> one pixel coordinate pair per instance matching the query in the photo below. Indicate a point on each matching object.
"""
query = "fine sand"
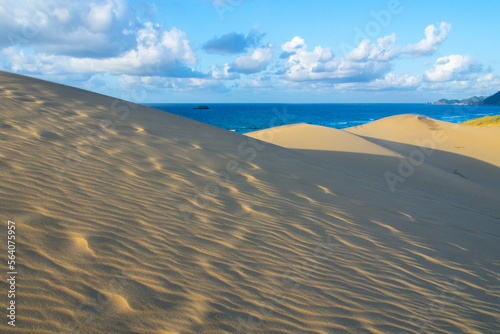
(134, 220)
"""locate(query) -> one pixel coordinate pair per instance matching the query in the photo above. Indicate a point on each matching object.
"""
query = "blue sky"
(208, 51)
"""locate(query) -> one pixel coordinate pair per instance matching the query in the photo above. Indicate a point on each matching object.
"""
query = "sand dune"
(134, 220)
(466, 151)
(314, 137)
(478, 143)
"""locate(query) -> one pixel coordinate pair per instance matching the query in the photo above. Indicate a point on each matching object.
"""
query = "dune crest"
(315, 137)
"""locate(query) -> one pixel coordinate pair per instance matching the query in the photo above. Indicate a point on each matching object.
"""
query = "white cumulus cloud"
(100, 17)
(368, 62)
(433, 38)
(93, 28)
(158, 52)
(393, 81)
(384, 50)
(450, 68)
(223, 72)
(390, 82)
(295, 44)
(256, 62)
(365, 63)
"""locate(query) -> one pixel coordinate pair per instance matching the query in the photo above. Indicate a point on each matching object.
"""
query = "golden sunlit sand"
(134, 220)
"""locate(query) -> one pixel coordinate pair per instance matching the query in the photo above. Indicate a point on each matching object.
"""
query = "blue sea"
(244, 118)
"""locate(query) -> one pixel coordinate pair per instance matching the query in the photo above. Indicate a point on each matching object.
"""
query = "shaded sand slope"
(361, 159)
(314, 137)
(368, 158)
(478, 143)
(466, 151)
(282, 243)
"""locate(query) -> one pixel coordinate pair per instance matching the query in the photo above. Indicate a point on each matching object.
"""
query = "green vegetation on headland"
(484, 121)
(493, 100)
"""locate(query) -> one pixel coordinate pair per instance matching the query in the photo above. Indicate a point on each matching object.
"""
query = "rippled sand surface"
(134, 220)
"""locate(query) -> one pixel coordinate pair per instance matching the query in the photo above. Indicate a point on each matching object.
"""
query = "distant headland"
(493, 100)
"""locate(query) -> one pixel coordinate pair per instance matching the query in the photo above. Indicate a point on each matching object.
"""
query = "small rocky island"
(202, 107)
